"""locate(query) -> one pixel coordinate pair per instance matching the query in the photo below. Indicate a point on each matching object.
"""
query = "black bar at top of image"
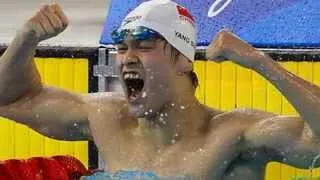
(61, 51)
(85, 52)
(297, 55)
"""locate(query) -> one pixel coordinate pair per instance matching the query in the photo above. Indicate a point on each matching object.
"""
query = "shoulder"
(109, 105)
(106, 104)
(241, 115)
(237, 121)
(274, 130)
(105, 100)
(104, 97)
(254, 122)
(260, 128)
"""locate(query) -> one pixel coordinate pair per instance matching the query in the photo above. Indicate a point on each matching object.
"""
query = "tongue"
(133, 96)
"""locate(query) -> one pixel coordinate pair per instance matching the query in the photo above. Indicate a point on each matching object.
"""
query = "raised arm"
(17, 68)
(53, 112)
(304, 96)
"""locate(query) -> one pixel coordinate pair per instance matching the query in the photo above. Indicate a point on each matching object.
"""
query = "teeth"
(132, 76)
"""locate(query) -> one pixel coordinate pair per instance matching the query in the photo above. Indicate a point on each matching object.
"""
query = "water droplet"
(254, 153)
(144, 94)
(314, 161)
(150, 110)
(75, 124)
(200, 150)
(182, 107)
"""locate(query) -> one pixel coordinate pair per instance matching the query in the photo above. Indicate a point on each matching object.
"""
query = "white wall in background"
(86, 20)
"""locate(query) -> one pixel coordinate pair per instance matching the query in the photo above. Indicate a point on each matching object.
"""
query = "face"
(146, 72)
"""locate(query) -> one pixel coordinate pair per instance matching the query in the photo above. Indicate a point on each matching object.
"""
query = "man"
(159, 125)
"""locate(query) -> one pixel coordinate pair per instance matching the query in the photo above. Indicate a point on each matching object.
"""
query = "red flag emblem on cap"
(184, 12)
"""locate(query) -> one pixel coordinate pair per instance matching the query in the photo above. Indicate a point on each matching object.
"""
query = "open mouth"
(134, 83)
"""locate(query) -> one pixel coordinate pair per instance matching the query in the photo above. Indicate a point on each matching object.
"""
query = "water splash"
(144, 95)
(314, 161)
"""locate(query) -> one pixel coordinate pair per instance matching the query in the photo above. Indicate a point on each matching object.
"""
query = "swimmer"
(159, 125)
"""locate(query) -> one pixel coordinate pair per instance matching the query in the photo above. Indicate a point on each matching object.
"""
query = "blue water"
(131, 175)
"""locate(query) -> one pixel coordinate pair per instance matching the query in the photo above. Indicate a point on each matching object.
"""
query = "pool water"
(131, 175)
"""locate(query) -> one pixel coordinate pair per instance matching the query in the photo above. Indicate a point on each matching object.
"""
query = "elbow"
(9, 95)
(65, 132)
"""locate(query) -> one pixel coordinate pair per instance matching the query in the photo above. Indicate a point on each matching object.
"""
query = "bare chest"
(213, 159)
(213, 156)
(170, 161)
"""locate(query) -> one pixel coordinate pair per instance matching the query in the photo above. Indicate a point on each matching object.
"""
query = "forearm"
(301, 94)
(17, 68)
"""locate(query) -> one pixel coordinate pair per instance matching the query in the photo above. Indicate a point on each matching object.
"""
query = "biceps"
(53, 113)
(305, 151)
(302, 154)
(288, 137)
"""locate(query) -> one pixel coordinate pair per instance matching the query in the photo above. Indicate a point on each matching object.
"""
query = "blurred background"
(86, 20)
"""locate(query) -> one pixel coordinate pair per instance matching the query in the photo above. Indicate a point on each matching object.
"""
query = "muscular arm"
(23, 98)
(285, 139)
(53, 112)
(304, 96)
(17, 68)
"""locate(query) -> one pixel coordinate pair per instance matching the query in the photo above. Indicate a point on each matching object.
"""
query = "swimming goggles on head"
(139, 33)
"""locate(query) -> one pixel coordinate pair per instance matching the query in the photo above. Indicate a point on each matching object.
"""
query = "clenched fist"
(48, 22)
(227, 46)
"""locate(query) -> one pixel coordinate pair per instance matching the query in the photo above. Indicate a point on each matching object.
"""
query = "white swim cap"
(170, 20)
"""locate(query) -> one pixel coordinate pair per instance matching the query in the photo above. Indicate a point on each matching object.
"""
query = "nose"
(130, 58)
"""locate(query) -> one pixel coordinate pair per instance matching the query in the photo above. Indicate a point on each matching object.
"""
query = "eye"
(146, 44)
(121, 49)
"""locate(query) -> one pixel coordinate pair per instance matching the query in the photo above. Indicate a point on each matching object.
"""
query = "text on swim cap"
(185, 38)
(130, 19)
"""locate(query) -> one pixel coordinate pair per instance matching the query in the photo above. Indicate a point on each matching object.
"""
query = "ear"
(183, 65)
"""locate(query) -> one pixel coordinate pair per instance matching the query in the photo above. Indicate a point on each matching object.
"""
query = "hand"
(227, 46)
(48, 22)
